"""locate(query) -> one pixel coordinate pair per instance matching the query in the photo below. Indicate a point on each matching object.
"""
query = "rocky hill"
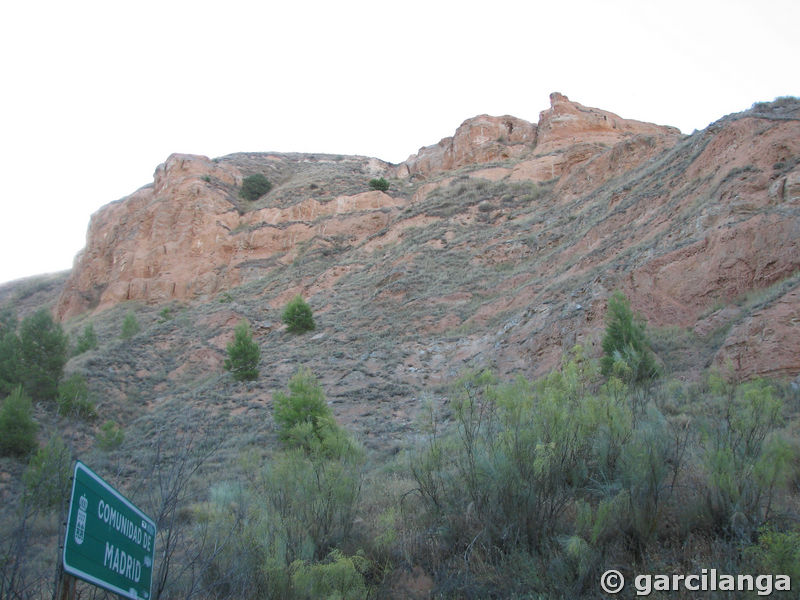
(498, 245)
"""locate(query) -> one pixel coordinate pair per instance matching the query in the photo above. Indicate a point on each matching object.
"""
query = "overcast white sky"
(96, 94)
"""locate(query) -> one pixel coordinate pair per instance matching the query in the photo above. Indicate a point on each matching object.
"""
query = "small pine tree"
(625, 343)
(8, 320)
(110, 436)
(297, 316)
(73, 398)
(243, 354)
(305, 405)
(87, 340)
(47, 477)
(130, 326)
(379, 184)
(254, 186)
(9, 361)
(43, 354)
(17, 427)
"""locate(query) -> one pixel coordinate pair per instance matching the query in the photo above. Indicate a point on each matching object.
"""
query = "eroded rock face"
(767, 343)
(163, 241)
(568, 133)
(183, 237)
(567, 123)
(478, 140)
(679, 223)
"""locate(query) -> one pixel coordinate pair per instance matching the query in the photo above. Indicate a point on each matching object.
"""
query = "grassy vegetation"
(507, 488)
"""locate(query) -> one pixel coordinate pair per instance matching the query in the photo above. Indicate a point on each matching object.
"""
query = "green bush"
(746, 461)
(87, 340)
(243, 354)
(130, 326)
(305, 404)
(254, 186)
(8, 320)
(270, 536)
(10, 376)
(110, 436)
(340, 577)
(73, 398)
(554, 472)
(625, 344)
(379, 184)
(17, 427)
(297, 316)
(777, 552)
(43, 354)
(47, 477)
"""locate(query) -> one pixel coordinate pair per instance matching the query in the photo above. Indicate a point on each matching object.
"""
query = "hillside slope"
(500, 244)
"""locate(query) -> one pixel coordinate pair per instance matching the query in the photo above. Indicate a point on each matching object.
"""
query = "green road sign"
(109, 542)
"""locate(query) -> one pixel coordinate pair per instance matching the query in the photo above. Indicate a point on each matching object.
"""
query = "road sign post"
(109, 541)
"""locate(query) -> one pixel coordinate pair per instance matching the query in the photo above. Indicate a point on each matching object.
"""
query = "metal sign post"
(109, 541)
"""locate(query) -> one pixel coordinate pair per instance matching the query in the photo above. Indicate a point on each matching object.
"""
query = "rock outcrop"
(567, 123)
(479, 140)
(184, 236)
(567, 133)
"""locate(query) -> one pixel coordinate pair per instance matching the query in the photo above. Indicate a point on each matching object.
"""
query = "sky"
(95, 95)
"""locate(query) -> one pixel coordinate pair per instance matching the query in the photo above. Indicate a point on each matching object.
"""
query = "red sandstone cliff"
(679, 223)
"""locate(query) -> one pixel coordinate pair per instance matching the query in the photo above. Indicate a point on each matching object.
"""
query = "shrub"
(87, 340)
(130, 326)
(340, 577)
(17, 427)
(777, 552)
(625, 344)
(516, 454)
(110, 436)
(305, 404)
(254, 186)
(47, 477)
(379, 184)
(73, 398)
(318, 497)
(8, 320)
(243, 354)
(9, 361)
(746, 461)
(297, 316)
(273, 534)
(43, 354)
(555, 472)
